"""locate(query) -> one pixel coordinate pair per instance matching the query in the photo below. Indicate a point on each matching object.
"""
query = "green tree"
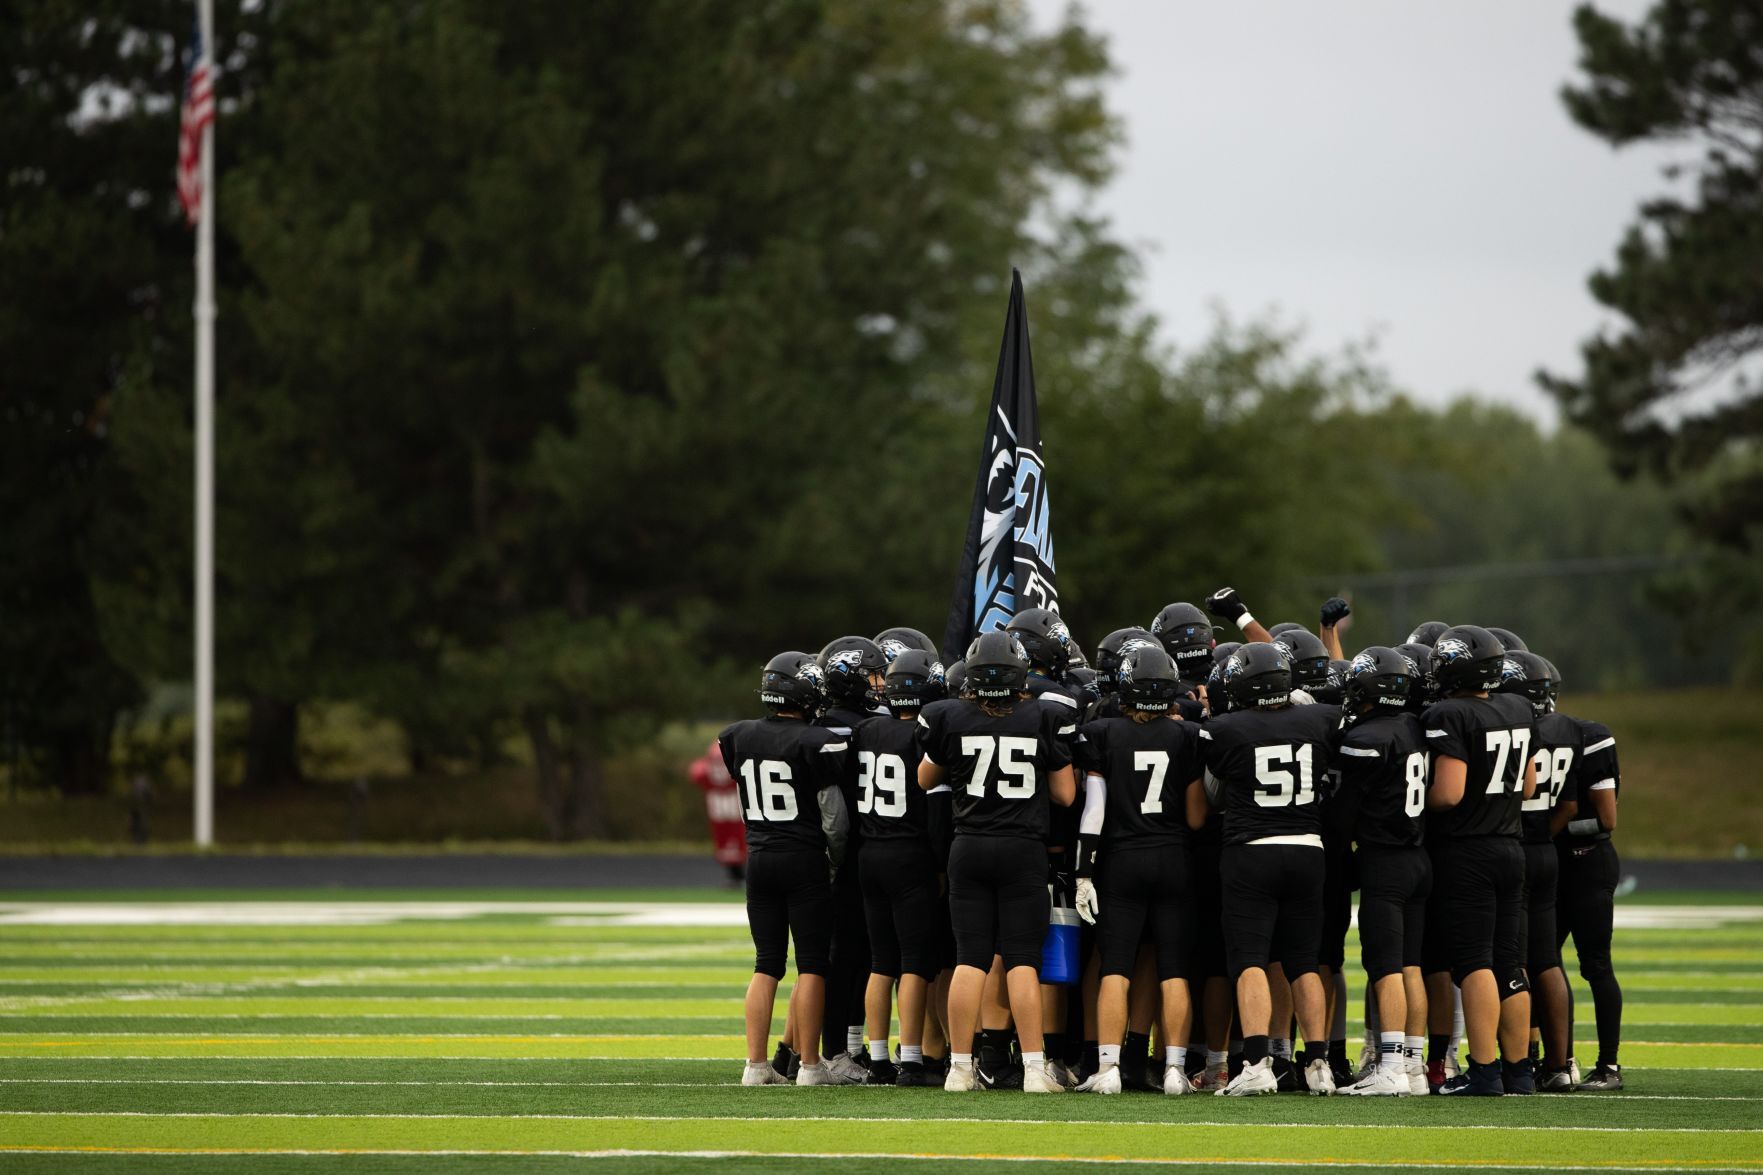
(1673, 391)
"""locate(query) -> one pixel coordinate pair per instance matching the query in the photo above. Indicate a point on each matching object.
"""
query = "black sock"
(1254, 1049)
(1054, 1044)
(1137, 1046)
(1436, 1046)
(986, 1049)
(1337, 1052)
(1092, 1058)
(1536, 1051)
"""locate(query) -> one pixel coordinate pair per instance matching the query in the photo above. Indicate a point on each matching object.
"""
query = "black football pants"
(1586, 909)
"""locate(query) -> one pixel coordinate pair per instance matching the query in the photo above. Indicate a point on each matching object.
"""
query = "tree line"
(573, 358)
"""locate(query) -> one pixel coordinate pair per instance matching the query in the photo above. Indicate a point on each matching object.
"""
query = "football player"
(1225, 605)
(797, 824)
(851, 678)
(1481, 776)
(1544, 815)
(898, 867)
(1264, 761)
(1139, 772)
(1004, 759)
(1383, 768)
(1590, 870)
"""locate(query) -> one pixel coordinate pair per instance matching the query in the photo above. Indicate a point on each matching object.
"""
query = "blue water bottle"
(1060, 962)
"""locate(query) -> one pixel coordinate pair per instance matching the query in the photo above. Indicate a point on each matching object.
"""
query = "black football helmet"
(1221, 653)
(1084, 680)
(1426, 690)
(791, 681)
(1379, 678)
(1078, 659)
(997, 665)
(1523, 672)
(1309, 657)
(1149, 680)
(1512, 641)
(1186, 635)
(1426, 632)
(915, 679)
(1217, 697)
(846, 665)
(955, 679)
(1258, 676)
(893, 641)
(1109, 652)
(1044, 638)
(1283, 627)
(1467, 659)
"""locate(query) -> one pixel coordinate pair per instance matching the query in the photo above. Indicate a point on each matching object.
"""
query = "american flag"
(198, 113)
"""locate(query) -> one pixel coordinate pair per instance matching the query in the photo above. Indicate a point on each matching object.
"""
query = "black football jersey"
(998, 766)
(1559, 749)
(1272, 768)
(1385, 771)
(1148, 767)
(1493, 736)
(1045, 689)
(890, 804)
(1598, 771)
(780, 766)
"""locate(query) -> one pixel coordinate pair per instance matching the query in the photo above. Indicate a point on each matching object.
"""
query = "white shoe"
(761, 1073)
(1215, 1078)
(1380, 1082)
(961, 1078)
(1038, 1079)
(1319, 1077)
(845, 1071)
(1103, 1080)
(1254, 1079)
(817, 1074)
(1059, 1072)
(1175, 1081)
(1418, 1086)
(1573, 1071)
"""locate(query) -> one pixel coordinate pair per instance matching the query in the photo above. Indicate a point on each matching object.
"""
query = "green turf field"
(312, 1034)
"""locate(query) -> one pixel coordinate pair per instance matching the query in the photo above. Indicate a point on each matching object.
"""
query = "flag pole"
(205, 472)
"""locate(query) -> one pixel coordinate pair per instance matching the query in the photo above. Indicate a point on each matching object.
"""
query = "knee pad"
(1513, 982)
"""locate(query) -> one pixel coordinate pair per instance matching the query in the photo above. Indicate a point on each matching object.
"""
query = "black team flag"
(1007, 561)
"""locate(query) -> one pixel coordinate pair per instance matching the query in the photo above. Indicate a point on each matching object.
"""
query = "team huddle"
(1049, 865)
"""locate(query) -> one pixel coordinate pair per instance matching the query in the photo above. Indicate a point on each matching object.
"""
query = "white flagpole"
(205, 468)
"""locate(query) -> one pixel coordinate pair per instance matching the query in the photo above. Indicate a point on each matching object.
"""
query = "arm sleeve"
(1089, 829)
(1445, 735)
(835, 823)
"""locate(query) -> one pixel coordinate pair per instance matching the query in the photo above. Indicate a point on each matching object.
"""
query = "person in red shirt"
(722, 803)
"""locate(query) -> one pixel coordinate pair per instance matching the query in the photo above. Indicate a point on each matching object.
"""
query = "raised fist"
(1224, 604)
(1334, 610)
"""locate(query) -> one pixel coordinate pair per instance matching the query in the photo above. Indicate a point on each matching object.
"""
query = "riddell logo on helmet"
(1273, 700)
(1392, 701)
(774, 699)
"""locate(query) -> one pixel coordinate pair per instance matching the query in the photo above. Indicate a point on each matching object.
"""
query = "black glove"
(1334, 610)
(1224, 604)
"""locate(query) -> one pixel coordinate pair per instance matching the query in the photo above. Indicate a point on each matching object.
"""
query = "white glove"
(1087, 905)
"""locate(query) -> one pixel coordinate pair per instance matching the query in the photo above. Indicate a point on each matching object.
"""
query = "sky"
(1400, 171)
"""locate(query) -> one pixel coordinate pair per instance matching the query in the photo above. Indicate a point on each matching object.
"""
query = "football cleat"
(1175, 1081)
(761, 1073)
(782, 1059)
(1436, 1075)
(1378, 1083)
(961, 1078)
(1480, 1081)
(1418, 1085)
(912, 1073)
(1254, 1079)
(1103, 1080)
(1319, 1077)
(1343, 1072)
(1556, 1081)
(881, 1073)
(1060, 1073)
(1215, 1078)
(1037, 1079)
(1518, 1078)
(817, 1074)
(1286, 1075)
(1604, 1079)
(844, 1070)
(1367, 1062)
